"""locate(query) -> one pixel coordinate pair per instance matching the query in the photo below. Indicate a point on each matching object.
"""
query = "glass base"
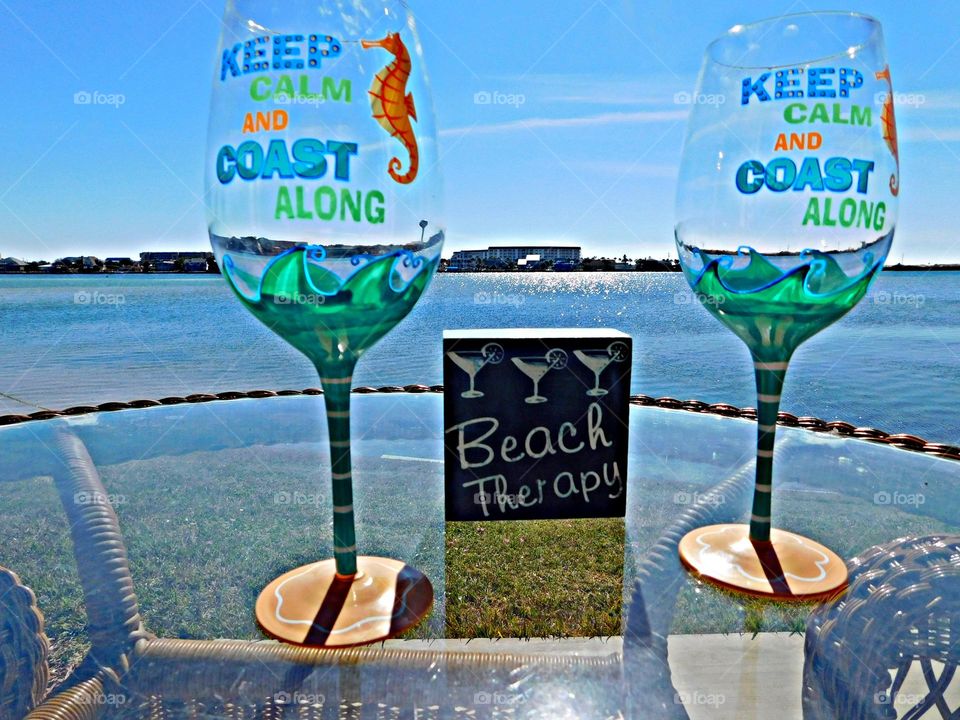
(313, 606)
(596, 392)
(471, 394)
(535, 399)
(789, 567)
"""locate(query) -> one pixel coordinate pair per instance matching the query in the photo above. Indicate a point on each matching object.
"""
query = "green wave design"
(330, 320)
(773, 311)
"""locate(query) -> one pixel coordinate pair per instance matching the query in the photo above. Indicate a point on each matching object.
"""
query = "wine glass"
(598, 360)
(325, 217)
(786, 209)
(536, 367)
(473, 361)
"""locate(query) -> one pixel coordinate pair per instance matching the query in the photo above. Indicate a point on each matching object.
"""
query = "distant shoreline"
(899, 267)
(888, 268)
(104, 272)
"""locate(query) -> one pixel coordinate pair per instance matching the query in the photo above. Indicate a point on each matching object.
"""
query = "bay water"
(892, 363)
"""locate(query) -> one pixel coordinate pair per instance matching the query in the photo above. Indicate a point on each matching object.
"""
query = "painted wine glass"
(324, 214)
(786, 209)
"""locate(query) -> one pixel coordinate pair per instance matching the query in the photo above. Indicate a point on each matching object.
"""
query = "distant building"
(195, 265)
(119, 263)
(511, 255)
(172, 261)
(174, 255)
(12, 264)
(79, 263)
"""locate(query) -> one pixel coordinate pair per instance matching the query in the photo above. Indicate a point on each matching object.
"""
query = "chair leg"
(114, 624)
(84, 701)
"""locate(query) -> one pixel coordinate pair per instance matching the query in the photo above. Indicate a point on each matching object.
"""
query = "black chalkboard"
(536, 423)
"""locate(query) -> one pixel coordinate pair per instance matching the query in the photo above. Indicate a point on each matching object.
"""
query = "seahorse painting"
(890, 128)
(393, 106)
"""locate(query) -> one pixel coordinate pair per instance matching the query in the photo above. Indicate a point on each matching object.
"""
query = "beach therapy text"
(480, 446)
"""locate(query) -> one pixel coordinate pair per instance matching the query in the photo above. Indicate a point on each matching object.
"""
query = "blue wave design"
(317, 254)
(230, 269)
(816, 264)
(404, 257)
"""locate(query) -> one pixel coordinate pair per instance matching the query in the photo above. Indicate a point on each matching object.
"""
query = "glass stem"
(769, 375)
(336, 379)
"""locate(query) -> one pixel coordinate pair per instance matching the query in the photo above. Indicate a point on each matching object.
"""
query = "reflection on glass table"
(213, 499)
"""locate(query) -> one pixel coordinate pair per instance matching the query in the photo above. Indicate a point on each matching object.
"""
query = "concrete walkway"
(717, 677)
(738, 676)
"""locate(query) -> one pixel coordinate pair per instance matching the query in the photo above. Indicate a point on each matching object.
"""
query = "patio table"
(146, 535)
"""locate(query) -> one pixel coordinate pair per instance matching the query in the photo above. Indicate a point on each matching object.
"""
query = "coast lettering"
(837, 175)
(306, 159)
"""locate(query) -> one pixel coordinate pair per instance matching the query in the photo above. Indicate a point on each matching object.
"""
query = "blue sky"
(582, 149)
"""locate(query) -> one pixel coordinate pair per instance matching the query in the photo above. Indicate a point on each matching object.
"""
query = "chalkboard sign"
(536, 423)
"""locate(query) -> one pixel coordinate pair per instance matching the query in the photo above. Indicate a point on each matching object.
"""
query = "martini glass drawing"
(536, 366)
(598, 360)
(325, 217)
(781, 229)
(473, 361)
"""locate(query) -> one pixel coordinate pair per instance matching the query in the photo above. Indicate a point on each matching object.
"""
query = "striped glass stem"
(770, 375)
(336, 393)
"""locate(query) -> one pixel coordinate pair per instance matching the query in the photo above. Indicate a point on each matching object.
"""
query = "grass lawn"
(205, 532)
(534, 578)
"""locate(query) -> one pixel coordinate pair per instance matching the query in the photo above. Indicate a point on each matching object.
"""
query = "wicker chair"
(902, 607)
(130, 673)
(23, 649)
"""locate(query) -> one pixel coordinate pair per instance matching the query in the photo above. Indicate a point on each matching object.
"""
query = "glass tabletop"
(215, 499)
